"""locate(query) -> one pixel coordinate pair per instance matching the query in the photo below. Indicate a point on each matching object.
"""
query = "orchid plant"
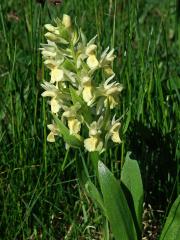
(73, 89)
(82, 107)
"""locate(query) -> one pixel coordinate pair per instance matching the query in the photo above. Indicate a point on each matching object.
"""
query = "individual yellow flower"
(55, 105)
(50, 90)
(93, 143)
(51, 55)
(73, 119)
(87, 91)
(111, 88)
(110, 92)
(53, 132)
(111, 101)
(74, 125)
(59, 97)
(113, 131)
(95, 127)
(87, 51)
(92, 61)
(90, 49)
(57, 75)
(49, 50)
(107, 58)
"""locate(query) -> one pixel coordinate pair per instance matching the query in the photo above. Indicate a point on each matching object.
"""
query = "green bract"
(81, 104)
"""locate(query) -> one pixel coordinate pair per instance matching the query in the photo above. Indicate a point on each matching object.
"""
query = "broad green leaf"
(72, 140)
(95, 195)
(171, 230)
(133, 189)
(105, 229)
(116, 206)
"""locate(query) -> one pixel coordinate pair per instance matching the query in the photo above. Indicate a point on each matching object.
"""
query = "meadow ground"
(40, 197)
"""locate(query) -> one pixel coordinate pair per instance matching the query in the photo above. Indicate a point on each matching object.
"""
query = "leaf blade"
(116, 205)
(131, 179)
(171, 229)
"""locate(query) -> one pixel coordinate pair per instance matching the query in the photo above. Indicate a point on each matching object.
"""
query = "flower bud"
(47, 54)
(66, 21)
(50, 28)
(51, 37)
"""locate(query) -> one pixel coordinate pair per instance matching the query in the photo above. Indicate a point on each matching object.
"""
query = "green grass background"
(40, 197)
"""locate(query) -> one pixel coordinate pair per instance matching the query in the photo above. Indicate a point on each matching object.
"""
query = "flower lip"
(57, 75)
(114, 130)
(74, 126)
(55, 105)
(93, 144)
(92, 62)
(53, 132)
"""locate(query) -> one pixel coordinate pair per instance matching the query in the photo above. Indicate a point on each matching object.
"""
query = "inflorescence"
(77, 98)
